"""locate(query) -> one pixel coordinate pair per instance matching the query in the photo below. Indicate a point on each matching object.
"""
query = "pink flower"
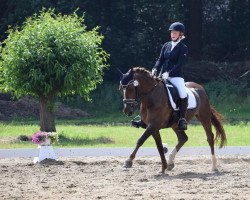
(39, 137)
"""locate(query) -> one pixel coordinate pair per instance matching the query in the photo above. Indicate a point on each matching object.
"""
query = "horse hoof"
(128, 164)
(170, 167)
(215, 169)
(165, 149)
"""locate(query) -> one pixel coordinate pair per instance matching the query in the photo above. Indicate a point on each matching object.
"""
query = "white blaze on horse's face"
(128, 109)
(124, 94)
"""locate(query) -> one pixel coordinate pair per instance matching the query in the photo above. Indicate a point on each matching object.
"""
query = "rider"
(169, 66)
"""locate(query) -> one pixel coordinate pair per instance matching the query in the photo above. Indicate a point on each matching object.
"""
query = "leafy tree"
(51, 55)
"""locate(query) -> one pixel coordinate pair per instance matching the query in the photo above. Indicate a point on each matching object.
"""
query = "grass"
(74, 134)
(230, 99)
(110, 128)
(237, 110)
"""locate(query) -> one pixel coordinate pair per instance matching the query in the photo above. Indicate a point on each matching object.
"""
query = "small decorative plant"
(44, 138)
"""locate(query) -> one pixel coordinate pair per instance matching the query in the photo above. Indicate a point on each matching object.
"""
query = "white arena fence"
(144, 151)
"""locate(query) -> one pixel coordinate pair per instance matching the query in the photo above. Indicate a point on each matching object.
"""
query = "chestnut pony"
(138, 85)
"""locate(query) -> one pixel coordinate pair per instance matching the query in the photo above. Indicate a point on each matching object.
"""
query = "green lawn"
(73, 134)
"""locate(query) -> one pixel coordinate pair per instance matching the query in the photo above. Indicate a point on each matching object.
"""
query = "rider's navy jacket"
(172, 61)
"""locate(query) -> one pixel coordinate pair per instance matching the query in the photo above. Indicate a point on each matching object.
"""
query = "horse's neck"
(154, 93)
(147, 84)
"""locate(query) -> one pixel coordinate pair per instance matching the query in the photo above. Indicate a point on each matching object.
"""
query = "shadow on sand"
(190, 175)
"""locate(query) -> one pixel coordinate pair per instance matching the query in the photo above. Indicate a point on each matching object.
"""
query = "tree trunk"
(194, 27)
(47, 115)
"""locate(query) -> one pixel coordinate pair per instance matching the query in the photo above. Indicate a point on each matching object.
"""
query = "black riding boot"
(138, 124)
(182, 124)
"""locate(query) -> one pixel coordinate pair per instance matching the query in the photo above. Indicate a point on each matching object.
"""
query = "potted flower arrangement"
(44, 138)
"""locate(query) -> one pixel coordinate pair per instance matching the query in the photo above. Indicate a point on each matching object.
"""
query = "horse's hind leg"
(182, 139)
(207, 125)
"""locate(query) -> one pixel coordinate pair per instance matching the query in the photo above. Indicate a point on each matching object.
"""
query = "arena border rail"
(146, 151)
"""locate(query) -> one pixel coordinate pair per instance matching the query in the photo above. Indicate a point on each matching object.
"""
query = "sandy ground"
(104, 178)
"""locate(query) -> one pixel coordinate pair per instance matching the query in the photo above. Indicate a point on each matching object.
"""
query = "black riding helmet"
(177, 26)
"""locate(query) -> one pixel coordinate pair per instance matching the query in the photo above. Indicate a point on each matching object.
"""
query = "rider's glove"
(154, 72)
(165, 75)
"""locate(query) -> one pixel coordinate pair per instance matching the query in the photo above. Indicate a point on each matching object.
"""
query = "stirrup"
(138, 124)
(182, 124)
(135, 124)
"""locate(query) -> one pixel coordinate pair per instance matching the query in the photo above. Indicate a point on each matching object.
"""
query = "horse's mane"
(142, 70)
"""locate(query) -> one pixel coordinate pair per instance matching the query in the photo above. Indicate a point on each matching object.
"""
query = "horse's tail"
(217, 119)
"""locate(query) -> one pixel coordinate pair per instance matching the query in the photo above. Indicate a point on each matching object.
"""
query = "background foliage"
(52, 53)
(135, 30)
(218, 37)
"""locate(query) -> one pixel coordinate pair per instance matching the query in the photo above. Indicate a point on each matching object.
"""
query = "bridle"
(136, 100)
(124, 87)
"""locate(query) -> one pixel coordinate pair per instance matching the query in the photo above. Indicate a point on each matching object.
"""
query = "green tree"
(51, 55)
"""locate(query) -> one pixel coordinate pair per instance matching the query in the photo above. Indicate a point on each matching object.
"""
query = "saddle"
(174, 101)
(174, 98)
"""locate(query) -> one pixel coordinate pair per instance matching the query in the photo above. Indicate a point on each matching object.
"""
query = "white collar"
(175, 43)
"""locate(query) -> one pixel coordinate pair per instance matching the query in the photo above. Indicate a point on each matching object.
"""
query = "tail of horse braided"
(217, 119)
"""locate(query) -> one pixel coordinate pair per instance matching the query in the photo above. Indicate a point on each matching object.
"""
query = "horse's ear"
(120, 72)
(131, 71)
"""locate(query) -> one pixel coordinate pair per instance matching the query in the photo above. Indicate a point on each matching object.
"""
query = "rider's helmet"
(177, 26)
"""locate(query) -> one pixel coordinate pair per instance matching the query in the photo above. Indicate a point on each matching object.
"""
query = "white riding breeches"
(179, 83)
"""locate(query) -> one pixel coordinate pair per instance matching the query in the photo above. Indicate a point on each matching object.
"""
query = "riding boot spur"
(138, 124)
(182, 124)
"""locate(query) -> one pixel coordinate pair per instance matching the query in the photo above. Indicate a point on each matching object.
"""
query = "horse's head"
(136, 84)
(129, 88)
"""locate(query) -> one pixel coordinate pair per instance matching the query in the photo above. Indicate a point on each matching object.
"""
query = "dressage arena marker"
(146, 151)
(45, 152)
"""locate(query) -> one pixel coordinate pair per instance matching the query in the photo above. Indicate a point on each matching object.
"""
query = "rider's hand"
(154, 72)
(165, 75)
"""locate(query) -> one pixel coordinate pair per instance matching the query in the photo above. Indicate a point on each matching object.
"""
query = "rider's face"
(175, 35)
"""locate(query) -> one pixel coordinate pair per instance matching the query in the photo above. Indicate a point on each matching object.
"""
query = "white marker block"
(45, 152)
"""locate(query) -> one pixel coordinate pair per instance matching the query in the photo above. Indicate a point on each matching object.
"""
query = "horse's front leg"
(128, 163)
(157, 137)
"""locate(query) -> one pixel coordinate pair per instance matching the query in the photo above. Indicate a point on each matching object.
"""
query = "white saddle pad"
(191, 99)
